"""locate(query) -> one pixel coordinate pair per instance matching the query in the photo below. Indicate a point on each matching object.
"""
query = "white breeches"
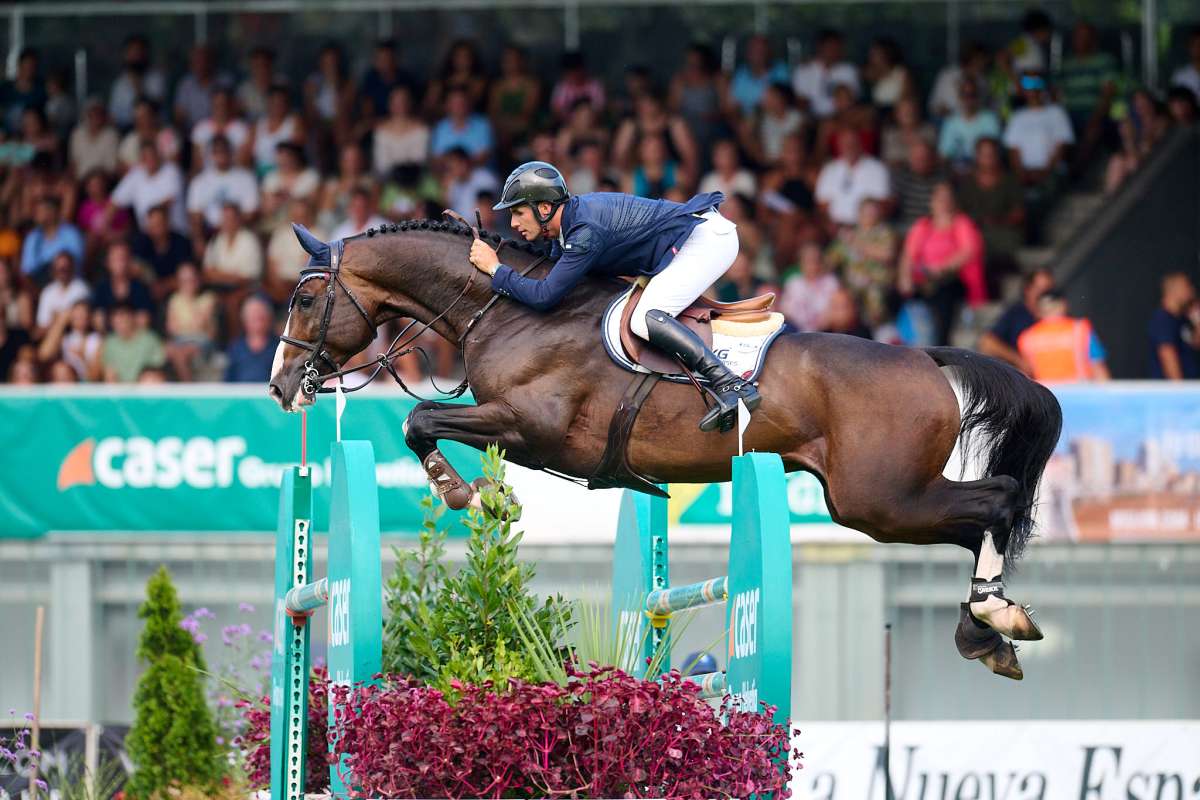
(703, 258)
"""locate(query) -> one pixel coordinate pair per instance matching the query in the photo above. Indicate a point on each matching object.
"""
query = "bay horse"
(921, 446)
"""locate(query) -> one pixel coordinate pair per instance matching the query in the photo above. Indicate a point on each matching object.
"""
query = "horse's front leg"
(476, 426)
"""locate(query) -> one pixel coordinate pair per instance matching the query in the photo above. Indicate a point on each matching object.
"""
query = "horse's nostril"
(275, 392)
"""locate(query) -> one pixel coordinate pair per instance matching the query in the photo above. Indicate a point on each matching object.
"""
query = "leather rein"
(402, 344)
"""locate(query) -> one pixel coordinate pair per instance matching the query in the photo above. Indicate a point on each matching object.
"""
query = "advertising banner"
(1001, 760)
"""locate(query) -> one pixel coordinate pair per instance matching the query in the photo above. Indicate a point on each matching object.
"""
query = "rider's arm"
(578, 254)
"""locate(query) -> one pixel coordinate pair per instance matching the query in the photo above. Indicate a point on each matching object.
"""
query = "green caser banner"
(209, 458)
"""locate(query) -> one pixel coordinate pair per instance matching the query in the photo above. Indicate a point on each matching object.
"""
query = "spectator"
(778, 119)
(739, 281)
(100, 219)
(138, 80)
(191, 322)
(383, 77)
(24, 91)
(656, 173)
(253, 94)
(160, 251)
(575, 84)
(122, 286)
(220, 184)
(1028, 53)
(808, 293)
(24, 370)
(587, 168)
(250, 355)
(16, 298)
(147, 129)
(1182, 106)
(60, 105)
(222, 123)
(151, 183)
(946, 97)
(462, 183)
(1038, 134)
(233, 260)
(130, 348)
(401, 138)
(865, 257)
(37, 133)
(1188, 76)
(461, 70)
(195, 90)
(1173, 335)
(698, 94)
(814, 82)
(360, 215)
(64, 290)
(1139, 132)
(285, 256)
(50, 237)
(93, 143)
(842, 316)
(583, 126)
(991, 196)
(637, 85)
(1089, 82)
(728, 176)
(848, 115)
(514, 99)
(652, 120)
(787, 203)
(280, 124)
(964, 128)
(914, 182)
(13, 341)
(889, 79)
(757, 71)
(61, 372)
(72, 340)
(1000, 341)
(352, 174)
(329, 100)
(848, 180)
(1059, 347)
(462, 128)
(292, 178)
(900, 135)
(943, 261)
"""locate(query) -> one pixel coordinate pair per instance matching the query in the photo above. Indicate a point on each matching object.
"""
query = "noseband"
(314, 380)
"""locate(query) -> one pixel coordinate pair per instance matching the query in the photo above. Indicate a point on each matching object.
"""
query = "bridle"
(314, 380)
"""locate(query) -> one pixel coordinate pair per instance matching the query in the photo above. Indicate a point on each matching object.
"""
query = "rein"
(314, 379)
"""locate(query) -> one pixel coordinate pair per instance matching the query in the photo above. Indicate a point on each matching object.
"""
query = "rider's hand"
(484, 257)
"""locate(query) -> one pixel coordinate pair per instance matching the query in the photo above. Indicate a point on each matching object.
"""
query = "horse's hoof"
(1003, 661)
(446, 483)
(1010, 620)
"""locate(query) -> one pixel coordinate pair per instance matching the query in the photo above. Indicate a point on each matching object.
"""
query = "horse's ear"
(311, 244)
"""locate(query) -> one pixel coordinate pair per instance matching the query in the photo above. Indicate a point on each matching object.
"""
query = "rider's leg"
(702, 259)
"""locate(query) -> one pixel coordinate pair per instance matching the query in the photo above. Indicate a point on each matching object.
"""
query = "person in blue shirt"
(51, 237)
(462, 128)
(685, 247)
(1172, 335)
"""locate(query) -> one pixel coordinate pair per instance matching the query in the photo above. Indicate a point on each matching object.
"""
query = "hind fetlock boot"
(676, 339)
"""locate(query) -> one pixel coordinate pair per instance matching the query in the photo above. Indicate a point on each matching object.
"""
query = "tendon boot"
(675, 339)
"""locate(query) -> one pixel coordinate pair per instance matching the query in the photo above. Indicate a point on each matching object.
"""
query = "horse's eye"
(306, 301)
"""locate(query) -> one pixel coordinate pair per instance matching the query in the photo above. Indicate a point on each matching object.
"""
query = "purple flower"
(245, 608)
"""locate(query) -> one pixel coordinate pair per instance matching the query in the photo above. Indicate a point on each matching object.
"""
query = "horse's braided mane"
(443, 226)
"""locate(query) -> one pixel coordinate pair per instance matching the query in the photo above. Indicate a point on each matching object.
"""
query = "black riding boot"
(676, 339)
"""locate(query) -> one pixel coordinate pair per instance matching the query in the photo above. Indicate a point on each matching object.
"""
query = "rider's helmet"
(534, 182)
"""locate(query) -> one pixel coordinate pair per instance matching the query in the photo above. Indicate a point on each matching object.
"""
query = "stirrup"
(721, 416)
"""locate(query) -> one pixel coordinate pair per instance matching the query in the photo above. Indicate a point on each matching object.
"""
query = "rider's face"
(526, 224)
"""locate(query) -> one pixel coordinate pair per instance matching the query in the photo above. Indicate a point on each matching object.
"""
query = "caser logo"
(139, 462)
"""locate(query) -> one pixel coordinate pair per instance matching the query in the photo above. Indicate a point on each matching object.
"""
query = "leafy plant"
(173, 740)
(255, 739)
(73, 781)
(604, 734)
(468, 627)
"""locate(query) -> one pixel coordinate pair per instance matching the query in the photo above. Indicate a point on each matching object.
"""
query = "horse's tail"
(1018, 421)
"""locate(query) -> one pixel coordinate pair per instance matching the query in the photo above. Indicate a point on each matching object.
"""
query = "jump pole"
(757, 591)
(352, 592)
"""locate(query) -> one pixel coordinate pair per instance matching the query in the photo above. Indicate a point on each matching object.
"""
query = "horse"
(914, 445)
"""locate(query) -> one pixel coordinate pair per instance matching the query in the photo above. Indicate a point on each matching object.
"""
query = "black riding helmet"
(534, 182)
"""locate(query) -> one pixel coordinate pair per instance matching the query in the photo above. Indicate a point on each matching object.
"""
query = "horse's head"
(330, 319)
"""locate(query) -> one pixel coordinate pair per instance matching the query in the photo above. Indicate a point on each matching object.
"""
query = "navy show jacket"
(606, 233)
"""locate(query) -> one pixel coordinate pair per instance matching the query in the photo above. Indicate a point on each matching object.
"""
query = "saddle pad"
(741, 345)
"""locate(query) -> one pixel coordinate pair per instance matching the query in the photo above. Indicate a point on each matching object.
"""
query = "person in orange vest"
(1059, 347)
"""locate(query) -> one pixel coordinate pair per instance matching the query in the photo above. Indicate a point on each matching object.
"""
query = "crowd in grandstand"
(146, 235)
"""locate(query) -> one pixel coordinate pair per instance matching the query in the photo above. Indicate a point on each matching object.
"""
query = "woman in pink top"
(943, 260)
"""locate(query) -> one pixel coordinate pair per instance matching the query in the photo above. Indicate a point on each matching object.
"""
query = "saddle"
(739, 333)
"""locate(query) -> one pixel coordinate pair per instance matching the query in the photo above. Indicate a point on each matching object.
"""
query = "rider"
(684, 246)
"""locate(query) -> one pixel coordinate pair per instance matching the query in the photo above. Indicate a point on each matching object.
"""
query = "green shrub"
(173, 740)
(469, 626)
